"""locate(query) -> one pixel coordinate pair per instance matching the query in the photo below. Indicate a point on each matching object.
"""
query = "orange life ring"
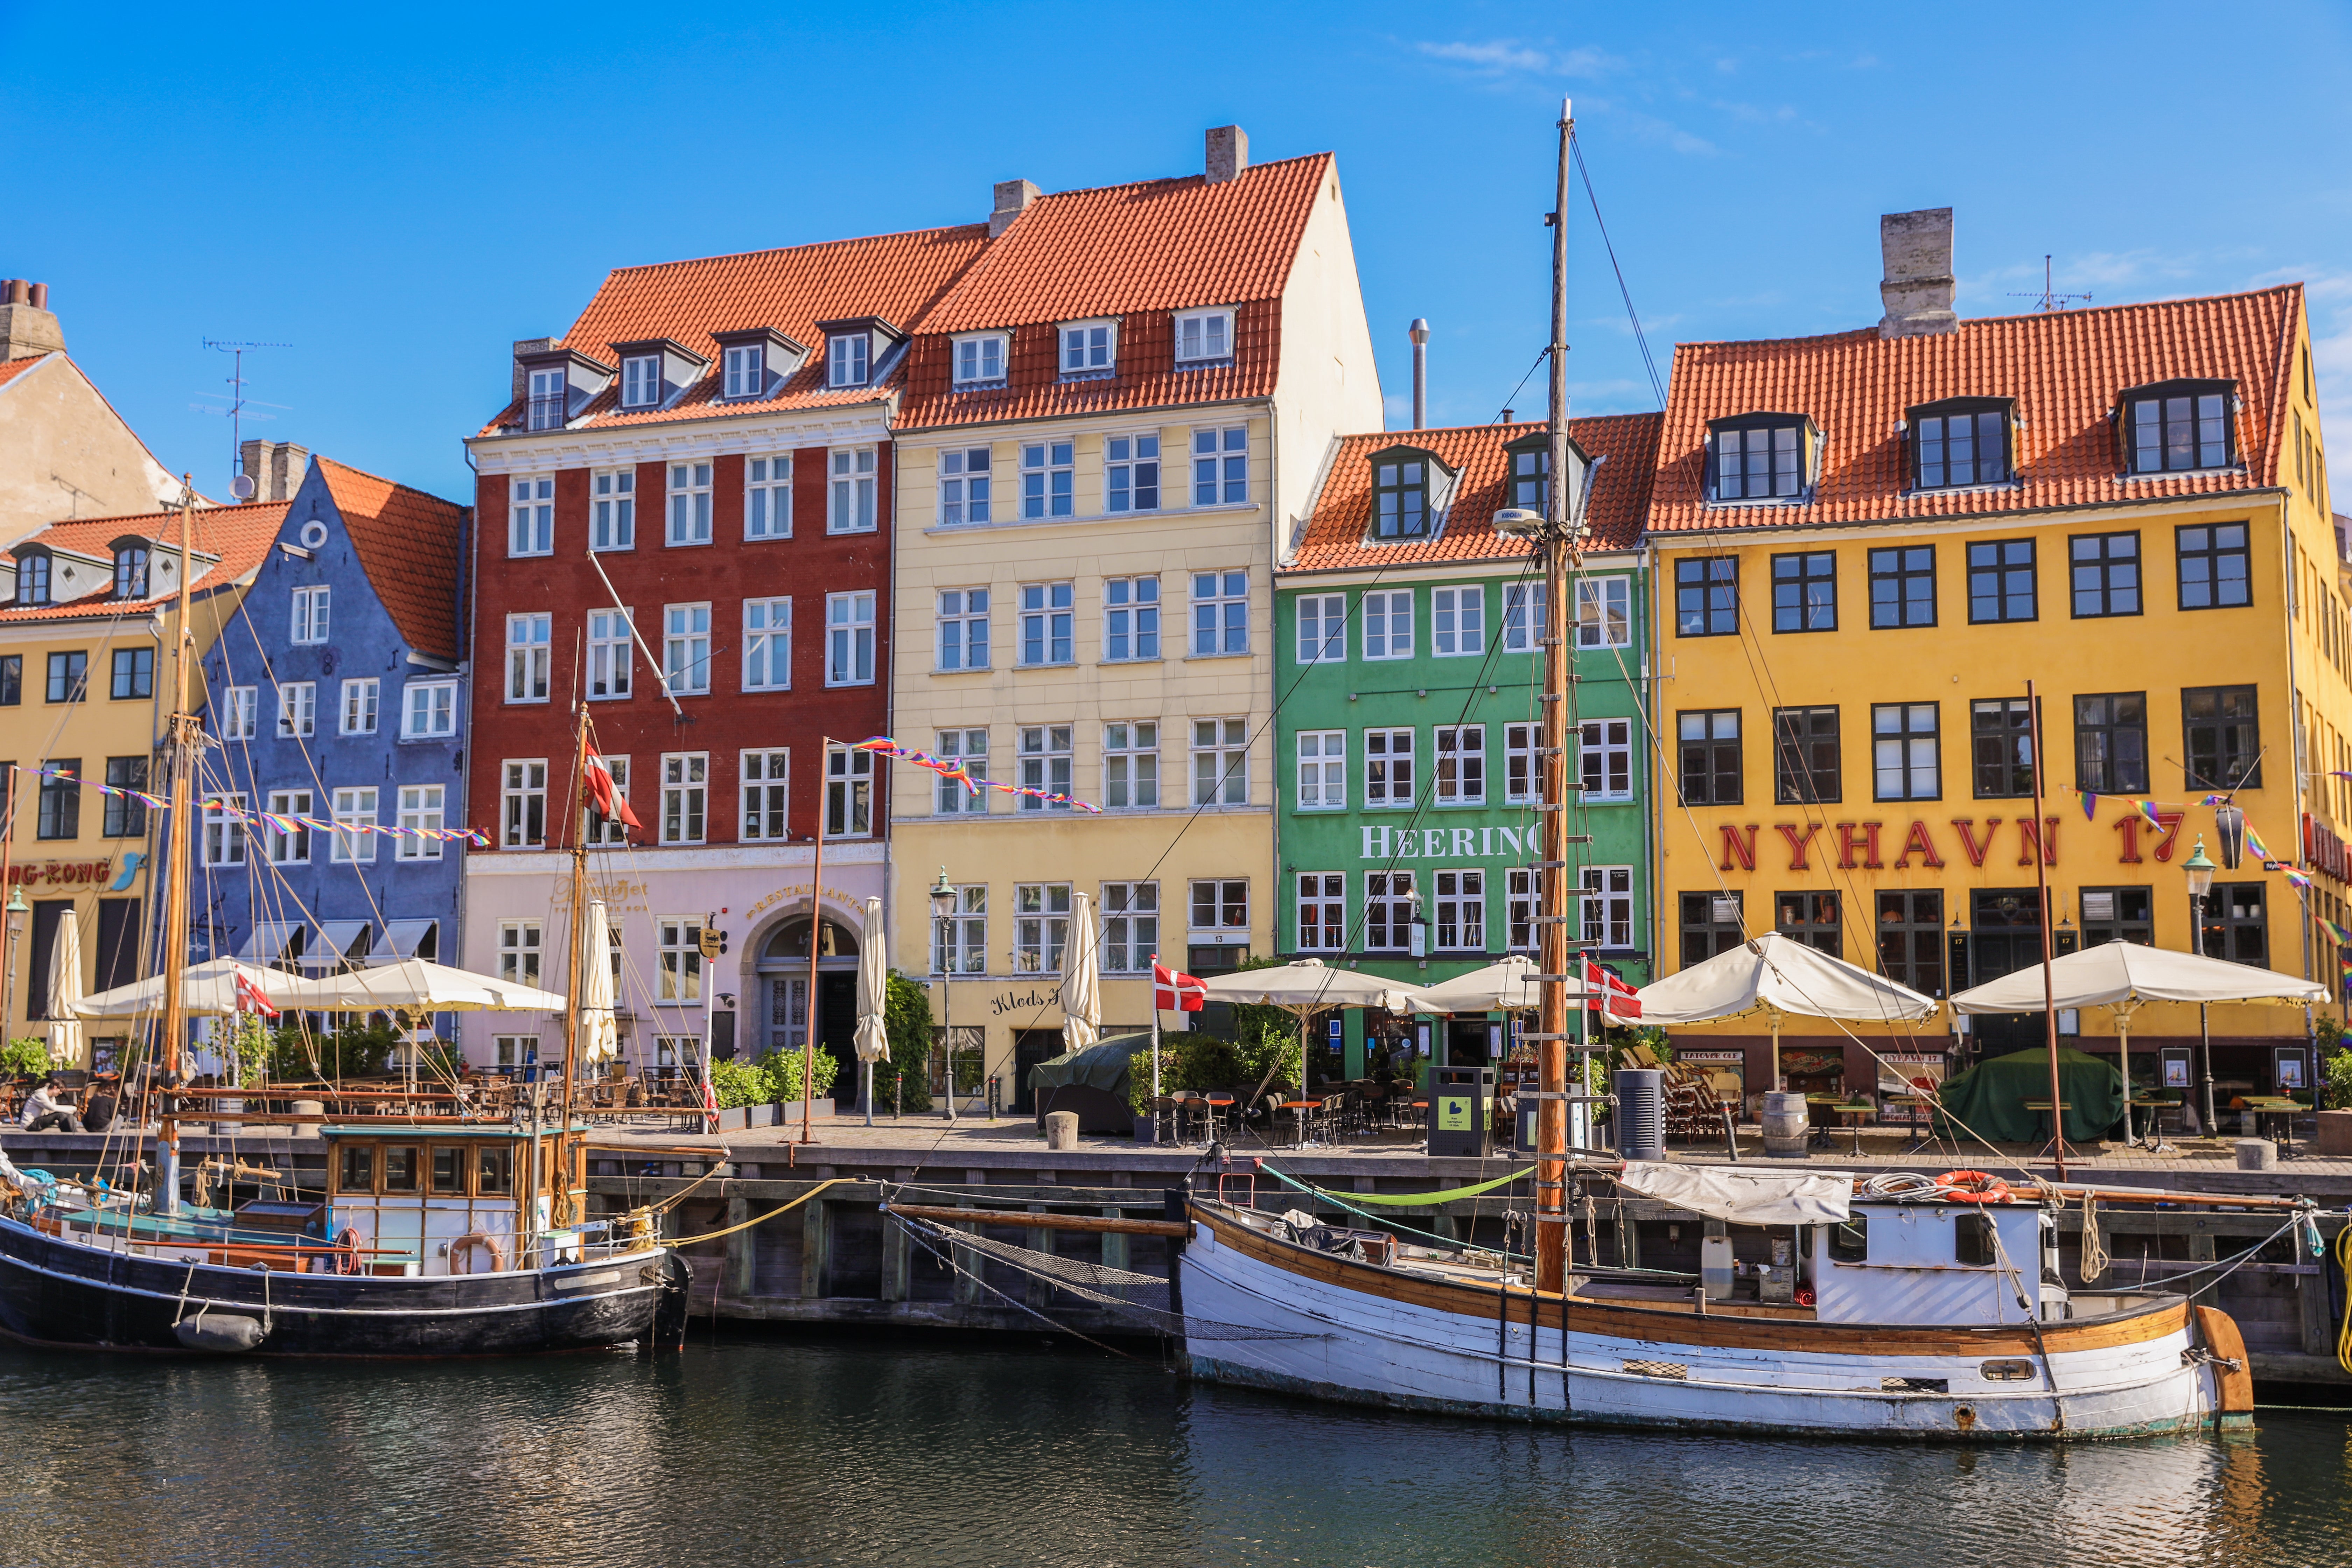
(464, 1244)
(1974, 1188)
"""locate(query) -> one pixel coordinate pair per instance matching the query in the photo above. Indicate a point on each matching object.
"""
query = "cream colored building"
(1110, 426)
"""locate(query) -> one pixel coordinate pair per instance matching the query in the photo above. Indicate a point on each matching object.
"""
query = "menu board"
(1901, 1072)
(1726, 1071)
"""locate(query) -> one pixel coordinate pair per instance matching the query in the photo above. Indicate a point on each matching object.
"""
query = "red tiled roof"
(408, 543)
(897, 277)
(240, 535)
(1138, 252)
(12, 368)
(1334, 537)
(2063, 368)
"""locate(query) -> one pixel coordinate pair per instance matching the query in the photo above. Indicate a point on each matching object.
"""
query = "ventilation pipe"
(1420, 373)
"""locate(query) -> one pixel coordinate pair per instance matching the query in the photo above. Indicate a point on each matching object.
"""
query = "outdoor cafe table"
(2276, 1105)
(2057, 1123)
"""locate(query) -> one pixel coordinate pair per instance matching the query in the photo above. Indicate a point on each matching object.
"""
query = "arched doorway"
(782, 1022)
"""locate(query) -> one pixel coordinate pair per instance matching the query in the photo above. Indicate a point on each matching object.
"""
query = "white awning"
(269, 941)
(332, 943)
(405, 940)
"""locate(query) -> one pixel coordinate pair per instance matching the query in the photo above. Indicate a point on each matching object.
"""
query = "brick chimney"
(527, 346)
(1918, 289)
(1012, 198)
(276, 467)
(27, 325)
(1228, 152)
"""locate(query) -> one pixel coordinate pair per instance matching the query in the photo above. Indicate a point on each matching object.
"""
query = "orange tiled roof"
(897, 277)
(12, 368)
(408, 544)
(2064, 368)
(1136, 252)
(1335, 538)
(240, 535)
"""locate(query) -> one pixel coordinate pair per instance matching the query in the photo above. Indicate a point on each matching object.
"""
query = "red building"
(711, 439)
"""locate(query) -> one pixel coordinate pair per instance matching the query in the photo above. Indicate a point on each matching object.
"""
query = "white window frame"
(1227, 902)
(1221, 615)
(979, 359)
(612, 830)
(362, 698)
(641, 381)
(849, 640)
(678, 943)
(685, 797)
(428, 710)
(1221, 762)
(768, 496)
(1384, 750)
(1388, 911)
(1523, 616)
(1040, 927)
(1522, 901)
(1604, 612)
(1221, 463)
(967, 486)
(280, 846)
(745, 368)
(1204, 337)
(764, 795)
(852, 473)
(848, 793)
(848, 358)
(1324, 895)
(1322, 627)
(1381, 638)
(520, 945)
(424, 809)
(530, 639)
(1605, 907)
(1614, 754)
(1131, 617)
(767, 644)
(688, 511)
(962, 630)
(355, 806)
(1322, 770)
(1045, 761)
(224, 836)
(531, 515)
(521, 780)
(1088, 348)
(1130, 917)
(1458, 910)
(686, 649)
(968, 747)
(1132, 476)
(312, 606)
(612, 655)
(965, 949)
(1461, 753)
(298, 710)
(1049, 478)
(612, 508)
(1049, 620)
(1522, 760)
(1131, 765)
(241, 714)
(1457, 621)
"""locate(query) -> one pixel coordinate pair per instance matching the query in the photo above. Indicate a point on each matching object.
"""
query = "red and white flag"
(607, 800)
(250, 998)
(1612, 996)
(1172, 991)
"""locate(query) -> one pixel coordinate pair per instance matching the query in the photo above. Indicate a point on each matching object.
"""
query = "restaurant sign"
(1875, 846)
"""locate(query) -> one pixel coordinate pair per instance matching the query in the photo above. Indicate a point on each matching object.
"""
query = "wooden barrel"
(1785, 1124)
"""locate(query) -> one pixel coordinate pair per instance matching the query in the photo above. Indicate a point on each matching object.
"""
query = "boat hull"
(60, 1292)
(1373, 1336)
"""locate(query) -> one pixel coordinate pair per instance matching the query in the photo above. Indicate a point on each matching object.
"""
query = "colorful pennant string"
(2342, 935)
(283, 823)
(949, 768)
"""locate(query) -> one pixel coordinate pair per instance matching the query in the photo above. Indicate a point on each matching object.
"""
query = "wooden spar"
(2049, 984)
(1020, 1219)
(816, 930)
(181, 740)
(1551, 1113)
(561, 1209)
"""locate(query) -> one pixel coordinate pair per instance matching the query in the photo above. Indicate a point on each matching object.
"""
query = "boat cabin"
(445, 1200)
(1930, 1263)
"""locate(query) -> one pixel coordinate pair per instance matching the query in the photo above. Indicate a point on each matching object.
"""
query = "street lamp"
(2200, 873)
(18, 909)
(944, 903)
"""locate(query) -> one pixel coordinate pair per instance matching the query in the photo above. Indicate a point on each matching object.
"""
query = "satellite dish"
(241, 487)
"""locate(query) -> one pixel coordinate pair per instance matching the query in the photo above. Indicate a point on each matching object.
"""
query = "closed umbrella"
(873, 1038)
(599, 1034)
(1082, 979)
(206, 990)
(1306, 987)
(65, 990)
(1774, 975)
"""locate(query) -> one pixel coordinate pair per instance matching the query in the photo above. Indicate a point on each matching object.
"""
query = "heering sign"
(1486, 842)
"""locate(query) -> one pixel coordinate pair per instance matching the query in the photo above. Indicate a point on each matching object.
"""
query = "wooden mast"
(181, 741)
(575, 986)
(1552, 944)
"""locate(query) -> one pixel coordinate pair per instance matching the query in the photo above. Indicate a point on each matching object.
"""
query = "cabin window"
(448, 1169)
(495, 1167)
(1850, 1242)
(400, 1168)
(1972, 1242)
(356, 1172)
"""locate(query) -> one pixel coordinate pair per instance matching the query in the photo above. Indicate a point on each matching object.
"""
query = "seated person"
(98, 1108)
(43, 1109)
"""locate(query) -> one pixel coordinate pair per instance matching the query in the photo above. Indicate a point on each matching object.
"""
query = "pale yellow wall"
(64, 454)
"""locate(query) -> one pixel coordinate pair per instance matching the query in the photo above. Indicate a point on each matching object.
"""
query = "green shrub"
(903, 1082)
(739, 1082)
(783, 1074)
(355, 1050)
(2338, 1080)
(23, 1056)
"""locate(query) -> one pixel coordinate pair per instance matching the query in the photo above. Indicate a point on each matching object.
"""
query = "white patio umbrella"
(1775, 975)
(65, 990)
(1306, 987)
(599, 1034)
(1082, 978)
(206, 990)
(413, 986)
(2122, 975)
(873, 1039)
(1507, 985)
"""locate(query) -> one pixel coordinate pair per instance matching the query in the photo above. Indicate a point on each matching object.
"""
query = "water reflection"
(922, 1453)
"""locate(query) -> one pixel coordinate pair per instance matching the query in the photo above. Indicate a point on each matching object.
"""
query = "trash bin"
(1458, 1123)
(1640, 1120)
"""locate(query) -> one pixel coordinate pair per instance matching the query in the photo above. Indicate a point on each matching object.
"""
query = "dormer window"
(559, 382)
(746, 370)
(1759, 456)
(130, 572)
(1961, 441)
(980, 360)
(1530, 472)
(1089, 348)
(1203, 337)
(1410, 492)
(641, 381)
(33, 578)
(755, 362)
(847, 358)
(2178, 426)
(550, 404)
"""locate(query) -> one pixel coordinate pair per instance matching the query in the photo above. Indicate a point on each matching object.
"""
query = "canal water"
(920, 1454)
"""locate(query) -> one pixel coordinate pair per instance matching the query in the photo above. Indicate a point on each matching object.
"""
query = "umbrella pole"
(1778, 1082)
(2123, 1054)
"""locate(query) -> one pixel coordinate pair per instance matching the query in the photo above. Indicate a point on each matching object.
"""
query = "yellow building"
(87, 620)
(1109, 423)
(1868, 544)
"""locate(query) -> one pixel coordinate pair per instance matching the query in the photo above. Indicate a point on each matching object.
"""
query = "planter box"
(2334, 1134)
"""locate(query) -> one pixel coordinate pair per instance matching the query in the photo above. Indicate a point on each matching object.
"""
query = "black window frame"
(1798, 769)
(2095, 732)
(1918, 934)
(2213, 552)
(2106, 563)
(1890, 564)
(11, 681)
(33, 578)
(132, 674)
(1514, 483)
(1810, 567)
(1809, 926)
(1906, 734)
(2116, 925)
(2236, 924)
(2002, 411)
(1807, 435)
(131, 563)
(2001, 568)
(1401, 457)
(1715, 746)
(68, 674)
(58, 816)
(126, 817)
(1698, 577)
(2217, 756)
(2127, 421)
(2014, 775)
(1701, 929)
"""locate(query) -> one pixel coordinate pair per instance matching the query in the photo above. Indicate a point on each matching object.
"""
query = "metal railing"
(550, 412)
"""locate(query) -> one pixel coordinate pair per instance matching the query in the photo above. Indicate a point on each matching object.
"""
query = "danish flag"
(1610, 997)
(1172, 991)
(607, 801)
(250, 998)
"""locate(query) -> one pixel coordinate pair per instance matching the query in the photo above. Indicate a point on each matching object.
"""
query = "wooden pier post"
(740, 1276)
(816, 1250)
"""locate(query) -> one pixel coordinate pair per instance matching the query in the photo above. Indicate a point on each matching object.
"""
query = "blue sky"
(399, 195)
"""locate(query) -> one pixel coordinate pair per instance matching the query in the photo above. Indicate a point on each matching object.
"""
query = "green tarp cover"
(1990, 1097)
(1102, 1065)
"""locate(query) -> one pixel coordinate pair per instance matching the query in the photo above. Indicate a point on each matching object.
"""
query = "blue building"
(337, 694)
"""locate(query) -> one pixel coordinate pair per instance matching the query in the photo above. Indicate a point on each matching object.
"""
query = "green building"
(1408, 668)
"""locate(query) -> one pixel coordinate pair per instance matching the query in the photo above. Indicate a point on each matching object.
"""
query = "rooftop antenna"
(237, 400)
(2049, 299)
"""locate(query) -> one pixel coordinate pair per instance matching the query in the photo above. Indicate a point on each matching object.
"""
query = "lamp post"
(2200, 873)
(944, 903)
(18, 909)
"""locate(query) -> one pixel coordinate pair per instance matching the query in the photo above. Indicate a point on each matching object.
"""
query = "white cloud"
(1502, 56)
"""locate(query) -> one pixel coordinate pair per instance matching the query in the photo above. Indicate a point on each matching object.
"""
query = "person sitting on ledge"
(98, 1109)
(43, 1110)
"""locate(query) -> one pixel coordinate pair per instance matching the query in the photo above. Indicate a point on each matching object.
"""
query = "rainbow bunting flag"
(2342, 935)
(2254, 842)
(2147, 809)
(2090, 805)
